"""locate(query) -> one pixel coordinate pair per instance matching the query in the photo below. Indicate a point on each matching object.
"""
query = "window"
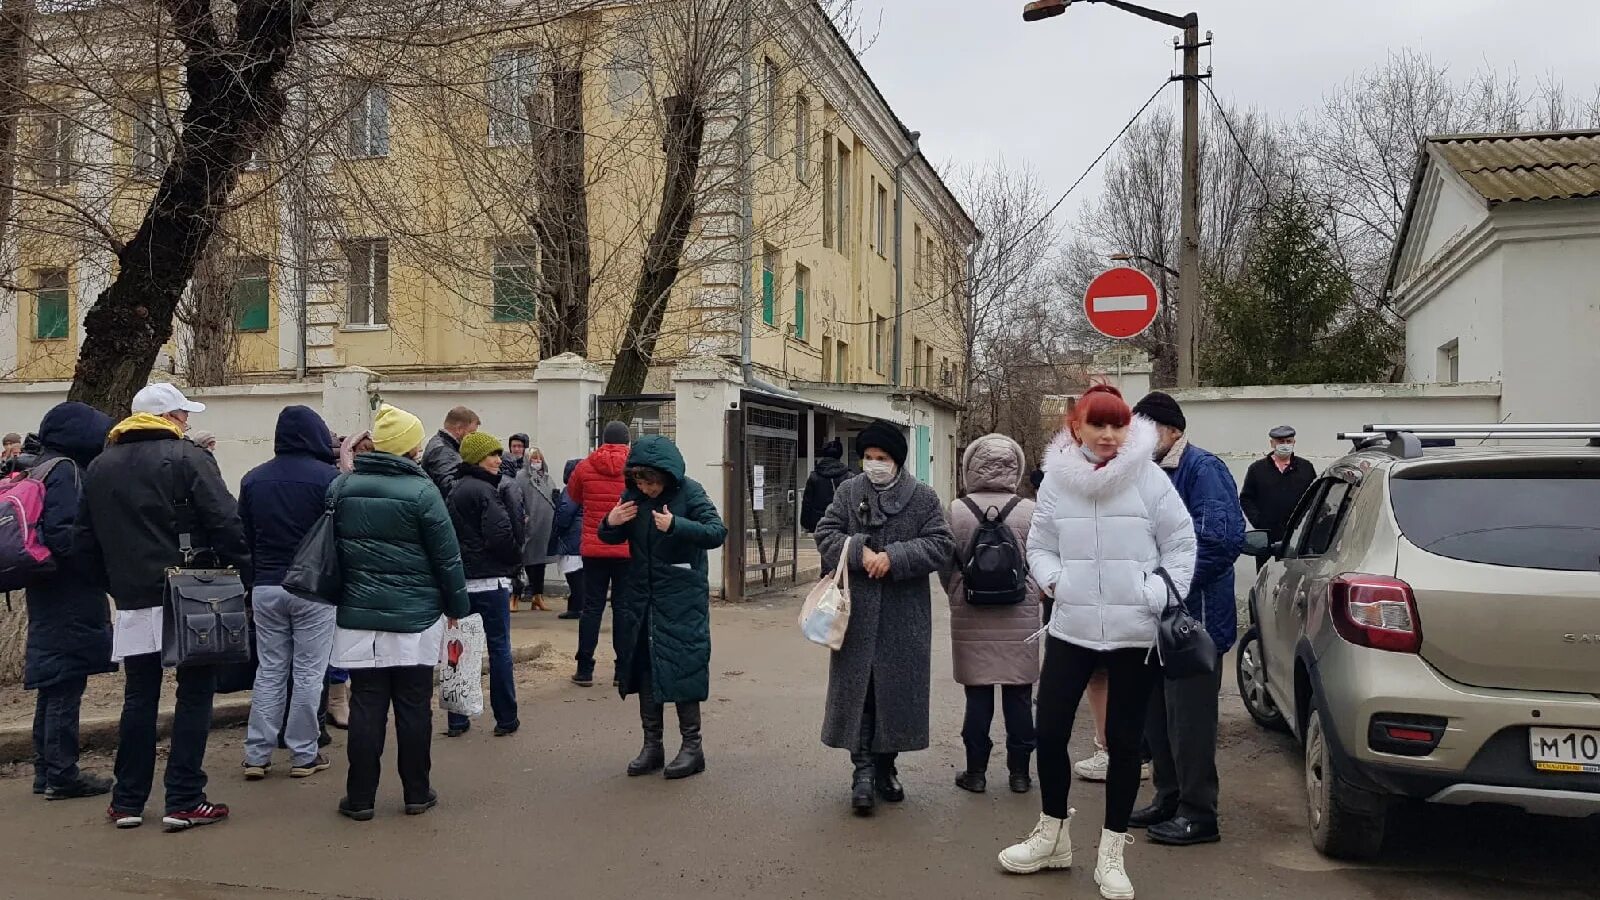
(629, 69)
(880, 339)
(883, 221)
(369, 120)
(802, 137)
(1325, 519)
(151, 143)
(769, 104)
(1450, 363)
(51, 298)
(252, 295)
(827, 359)
(513, 83)
(514, 280)
(841, 203)
(802, 286)
(769, 285)
(917, 274)
(53, 154)
(927, 367)
(944, 371)
(916, 363)
(841, 359)
(1541, 515)
(369, 282)
(829, 179)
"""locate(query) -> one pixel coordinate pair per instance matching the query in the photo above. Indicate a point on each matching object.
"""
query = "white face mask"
(1090, 455)
(880, 472)
(1284, 450)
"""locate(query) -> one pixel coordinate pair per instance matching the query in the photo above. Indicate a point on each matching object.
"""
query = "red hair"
(1100, 405)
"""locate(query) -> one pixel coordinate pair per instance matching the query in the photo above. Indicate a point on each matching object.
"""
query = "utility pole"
(1189, 251)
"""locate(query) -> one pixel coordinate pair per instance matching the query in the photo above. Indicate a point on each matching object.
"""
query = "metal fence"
(643, 413)
(771, 496)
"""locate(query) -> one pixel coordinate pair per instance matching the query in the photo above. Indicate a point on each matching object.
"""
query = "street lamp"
(1189, 251)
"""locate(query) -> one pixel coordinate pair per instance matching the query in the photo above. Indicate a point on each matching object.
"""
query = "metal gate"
(771, 495)
(643, 413)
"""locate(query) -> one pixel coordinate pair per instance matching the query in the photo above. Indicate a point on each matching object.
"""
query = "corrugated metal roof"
(1517, 167)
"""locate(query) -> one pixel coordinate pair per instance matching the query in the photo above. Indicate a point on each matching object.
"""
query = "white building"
(1497, 270)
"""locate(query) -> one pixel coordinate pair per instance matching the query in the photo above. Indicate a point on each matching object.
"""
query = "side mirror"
(1258, 545)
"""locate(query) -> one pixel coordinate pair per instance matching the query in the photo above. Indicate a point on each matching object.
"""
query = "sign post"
(1121, 303)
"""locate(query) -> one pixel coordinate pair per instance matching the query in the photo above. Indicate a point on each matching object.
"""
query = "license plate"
(1564, 750)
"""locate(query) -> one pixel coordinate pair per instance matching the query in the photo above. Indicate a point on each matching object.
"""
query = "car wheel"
(1251, 671)
(1338, 830)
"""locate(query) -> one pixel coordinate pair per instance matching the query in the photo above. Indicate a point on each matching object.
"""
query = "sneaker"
(1048, 847)
(417, 809)
(453, 731)
(507, 730)
(350, 812)
(570, 614)
(1095, 767)
(86, 786)
(310, 768)
(200, 814)
(1111, 870)
(256, 773)
(123, 818)
(583, 679)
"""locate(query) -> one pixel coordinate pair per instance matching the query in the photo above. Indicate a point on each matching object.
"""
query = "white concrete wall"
(1469, 310)
(1551, 330)
(506, 407)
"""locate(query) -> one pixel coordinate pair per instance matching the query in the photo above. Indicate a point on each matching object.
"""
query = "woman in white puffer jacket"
(1107, 519)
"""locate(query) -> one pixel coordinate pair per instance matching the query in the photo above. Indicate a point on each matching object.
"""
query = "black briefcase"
(205, 619)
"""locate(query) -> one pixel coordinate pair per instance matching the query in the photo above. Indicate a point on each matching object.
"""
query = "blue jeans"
(136, 742)
(294, 638)
(495, 607)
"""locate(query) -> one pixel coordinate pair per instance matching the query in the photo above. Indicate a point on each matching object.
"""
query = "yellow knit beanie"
(479, 446)
(396, 431)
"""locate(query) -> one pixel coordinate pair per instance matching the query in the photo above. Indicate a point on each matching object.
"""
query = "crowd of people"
(1127, 518)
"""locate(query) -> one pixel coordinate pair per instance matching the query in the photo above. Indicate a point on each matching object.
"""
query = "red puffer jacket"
(596, 485)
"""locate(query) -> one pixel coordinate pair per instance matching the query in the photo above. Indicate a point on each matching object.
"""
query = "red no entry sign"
(1121, 302)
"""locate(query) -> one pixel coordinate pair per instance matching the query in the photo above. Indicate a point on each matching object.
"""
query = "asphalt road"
(549, 813)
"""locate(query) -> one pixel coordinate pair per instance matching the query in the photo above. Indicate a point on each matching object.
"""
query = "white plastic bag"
(461, 667)
(826, 613)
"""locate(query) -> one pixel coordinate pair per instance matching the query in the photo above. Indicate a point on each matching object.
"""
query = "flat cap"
(1281, 433)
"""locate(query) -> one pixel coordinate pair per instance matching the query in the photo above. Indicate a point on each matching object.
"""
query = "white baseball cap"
(162, 398)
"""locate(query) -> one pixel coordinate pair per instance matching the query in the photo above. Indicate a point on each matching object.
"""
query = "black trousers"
(409, 689)
(601, 577)
(575, 592)
(1182, 732)
(1016, 702)
(135, 767)
(55, 733)
(1066, 673)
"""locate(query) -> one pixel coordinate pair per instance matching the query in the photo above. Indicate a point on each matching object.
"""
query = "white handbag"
(826, 613)
(460, 667)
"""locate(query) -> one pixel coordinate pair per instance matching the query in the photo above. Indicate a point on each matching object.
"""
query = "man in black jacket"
(825, 479)
(491, 550)
(1274, 485)
(442, 457)
(148, 490)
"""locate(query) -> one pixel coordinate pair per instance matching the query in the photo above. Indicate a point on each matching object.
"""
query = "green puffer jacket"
(402, 565)
(666, 588)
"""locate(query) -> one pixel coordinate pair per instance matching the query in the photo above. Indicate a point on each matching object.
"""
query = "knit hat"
(1162, 409)
(479, 446)
(885, 437)
(833, 449)
(396, 431)
(615, 433)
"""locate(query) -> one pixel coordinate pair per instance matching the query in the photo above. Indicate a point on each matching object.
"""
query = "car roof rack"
(1408, 441)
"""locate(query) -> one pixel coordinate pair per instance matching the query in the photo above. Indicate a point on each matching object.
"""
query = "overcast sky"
(978, 82)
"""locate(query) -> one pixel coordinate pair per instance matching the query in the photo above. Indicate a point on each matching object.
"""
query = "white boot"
(1111, 873)
(1048, 847)
(1094, 767)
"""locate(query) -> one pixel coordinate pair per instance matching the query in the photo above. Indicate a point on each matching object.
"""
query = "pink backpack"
(23, 557)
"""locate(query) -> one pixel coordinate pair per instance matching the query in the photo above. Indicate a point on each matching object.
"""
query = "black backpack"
(996, 569)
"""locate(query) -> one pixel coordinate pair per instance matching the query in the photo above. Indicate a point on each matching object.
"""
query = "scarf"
(143, 422)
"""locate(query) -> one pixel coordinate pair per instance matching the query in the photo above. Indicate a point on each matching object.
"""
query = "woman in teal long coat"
(662, 612)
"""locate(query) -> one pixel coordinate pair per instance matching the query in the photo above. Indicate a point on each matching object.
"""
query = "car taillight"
(1376, 611)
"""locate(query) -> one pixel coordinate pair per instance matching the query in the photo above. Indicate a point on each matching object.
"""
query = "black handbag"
(1183, 644)
(315, 573)
(205, 620)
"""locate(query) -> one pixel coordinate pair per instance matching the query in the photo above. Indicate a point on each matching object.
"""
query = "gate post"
(705, 389)
(568, 385)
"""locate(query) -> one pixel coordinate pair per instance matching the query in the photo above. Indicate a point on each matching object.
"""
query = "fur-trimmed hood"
(1065, 464)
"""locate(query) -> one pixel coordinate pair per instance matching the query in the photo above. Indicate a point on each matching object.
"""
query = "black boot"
(863, 797)
(887, 778)
(1018, 764)
(691, 760)
(976, 777)
(654, 755)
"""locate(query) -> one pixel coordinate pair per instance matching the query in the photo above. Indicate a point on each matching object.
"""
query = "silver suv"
(1430, 628)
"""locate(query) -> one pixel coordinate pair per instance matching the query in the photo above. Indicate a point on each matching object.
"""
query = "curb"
(229, 711)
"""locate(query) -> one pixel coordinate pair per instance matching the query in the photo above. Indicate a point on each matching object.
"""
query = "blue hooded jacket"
(281, 499)
(566, 534)
(69, 621)
(1207, 489)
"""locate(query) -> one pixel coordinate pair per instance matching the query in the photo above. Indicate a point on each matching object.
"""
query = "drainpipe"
(899, 254)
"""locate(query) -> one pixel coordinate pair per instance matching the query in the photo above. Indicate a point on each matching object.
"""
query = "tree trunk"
(234, 99)
(663, 255)
(15, 18)
(562, 220)
(208, 314)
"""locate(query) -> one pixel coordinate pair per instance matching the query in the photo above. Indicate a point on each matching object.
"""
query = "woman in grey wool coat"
(878, 680)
